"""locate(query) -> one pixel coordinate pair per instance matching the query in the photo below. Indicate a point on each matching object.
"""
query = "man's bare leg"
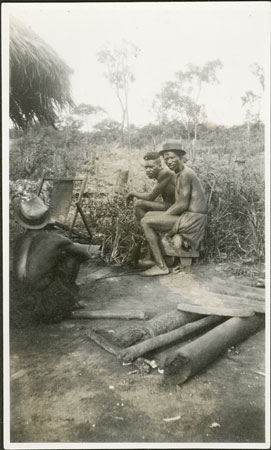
(141, 208)
(151, 223)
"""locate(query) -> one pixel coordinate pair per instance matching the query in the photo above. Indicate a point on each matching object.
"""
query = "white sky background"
(170, 35)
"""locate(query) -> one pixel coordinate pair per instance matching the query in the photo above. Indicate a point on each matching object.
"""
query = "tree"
(120, 62)
(39, 78)
(85, 111)
(252, 102)
(181, 96)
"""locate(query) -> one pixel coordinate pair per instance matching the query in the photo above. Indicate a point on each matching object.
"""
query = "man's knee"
(139, 204)
(148, 219)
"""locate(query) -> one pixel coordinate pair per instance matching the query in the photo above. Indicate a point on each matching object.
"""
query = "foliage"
(39, 78)
(44, 149)
(236, 208)
(232, 177)
(118, 232)
(251, 101)
(180, 98)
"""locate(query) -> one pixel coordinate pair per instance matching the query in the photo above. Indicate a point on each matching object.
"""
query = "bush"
(236, 209)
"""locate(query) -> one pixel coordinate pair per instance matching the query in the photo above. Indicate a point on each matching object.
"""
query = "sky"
(170, 35)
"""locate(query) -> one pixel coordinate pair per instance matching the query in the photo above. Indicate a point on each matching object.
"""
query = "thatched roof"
(39, 78)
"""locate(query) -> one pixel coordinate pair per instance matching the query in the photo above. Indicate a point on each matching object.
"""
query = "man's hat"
(172, 145)
(33, 214)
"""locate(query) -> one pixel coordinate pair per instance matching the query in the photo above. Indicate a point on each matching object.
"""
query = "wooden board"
(204, 302)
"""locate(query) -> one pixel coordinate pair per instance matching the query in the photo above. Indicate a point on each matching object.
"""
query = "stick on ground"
(128, 315)
(102, 342)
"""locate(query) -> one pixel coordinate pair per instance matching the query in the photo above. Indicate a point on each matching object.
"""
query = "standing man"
(165, 186)
(187, 216)
(46, 265)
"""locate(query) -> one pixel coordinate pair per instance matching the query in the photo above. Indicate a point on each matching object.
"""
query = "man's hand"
(170, 234)
(129, 196)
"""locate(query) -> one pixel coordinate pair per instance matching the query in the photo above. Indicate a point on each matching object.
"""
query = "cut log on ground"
(129, 335)
(102, 342)
(195, 356)
(126, 315)
(131, 353)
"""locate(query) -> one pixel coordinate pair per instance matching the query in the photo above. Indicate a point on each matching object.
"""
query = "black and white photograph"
(136, 225)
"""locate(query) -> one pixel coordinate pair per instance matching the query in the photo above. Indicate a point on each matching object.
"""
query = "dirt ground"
(64, 388)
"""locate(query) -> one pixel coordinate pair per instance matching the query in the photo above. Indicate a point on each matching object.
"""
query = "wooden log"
(236, 289)
(131, 353)
(127, 336)
(127, 315)
(102, 342)
(195, 356)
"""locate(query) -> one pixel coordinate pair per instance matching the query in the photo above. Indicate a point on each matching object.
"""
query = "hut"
(39, 78)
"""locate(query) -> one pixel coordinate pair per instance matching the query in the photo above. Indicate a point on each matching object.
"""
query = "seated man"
(46, 265)
(165, 186)
(187, 216)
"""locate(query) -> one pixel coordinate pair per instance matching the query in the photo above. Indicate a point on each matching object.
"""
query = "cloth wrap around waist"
(191, 227)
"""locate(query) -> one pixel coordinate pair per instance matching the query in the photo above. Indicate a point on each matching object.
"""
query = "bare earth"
(64, 388)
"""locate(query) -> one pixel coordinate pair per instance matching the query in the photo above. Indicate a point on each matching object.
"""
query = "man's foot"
(146, 262)
(155, 271)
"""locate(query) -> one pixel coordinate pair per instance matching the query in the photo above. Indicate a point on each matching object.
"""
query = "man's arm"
(183, 196)
(73, 248)
(162, 182)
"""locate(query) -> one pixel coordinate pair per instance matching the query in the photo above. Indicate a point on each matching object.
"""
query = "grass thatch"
(39, 78)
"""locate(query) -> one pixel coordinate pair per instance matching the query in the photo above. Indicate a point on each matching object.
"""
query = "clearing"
(64, 388)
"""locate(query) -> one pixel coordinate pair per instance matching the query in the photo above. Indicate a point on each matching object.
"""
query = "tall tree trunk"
(122, 128)
(129, 140)
(194, 141)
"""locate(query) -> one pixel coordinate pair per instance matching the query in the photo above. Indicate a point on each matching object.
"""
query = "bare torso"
(41, 257)
(187, 180)
(168, 191)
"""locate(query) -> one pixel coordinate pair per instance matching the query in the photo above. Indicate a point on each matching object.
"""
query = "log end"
(177, 369)
(128, 335)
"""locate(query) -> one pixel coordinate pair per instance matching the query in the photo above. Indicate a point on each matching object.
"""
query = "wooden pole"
(76, 233)
(41, 183)
(84, 219)
(195, 356)
(131, 353)
(127, 315)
